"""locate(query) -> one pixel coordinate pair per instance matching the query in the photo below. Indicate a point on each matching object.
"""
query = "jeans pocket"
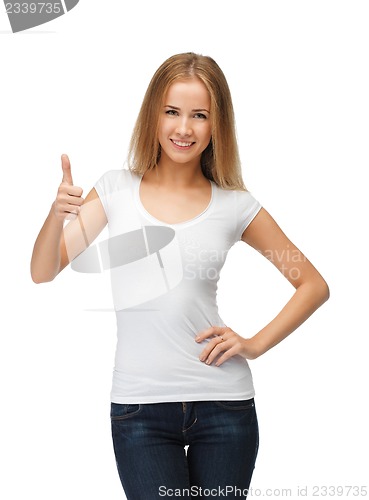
(119, 411)
(244, 404)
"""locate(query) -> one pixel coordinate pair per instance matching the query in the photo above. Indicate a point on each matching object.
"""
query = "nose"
(183, 127)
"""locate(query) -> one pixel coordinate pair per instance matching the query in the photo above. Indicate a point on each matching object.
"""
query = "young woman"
(182, 402)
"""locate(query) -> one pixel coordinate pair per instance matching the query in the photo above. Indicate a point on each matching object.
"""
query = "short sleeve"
(247, 207)
(106, 186)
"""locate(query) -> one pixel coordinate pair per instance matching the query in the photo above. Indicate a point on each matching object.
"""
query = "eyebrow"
(178, 109)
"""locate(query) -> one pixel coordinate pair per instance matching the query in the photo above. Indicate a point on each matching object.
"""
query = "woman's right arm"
(57, 245)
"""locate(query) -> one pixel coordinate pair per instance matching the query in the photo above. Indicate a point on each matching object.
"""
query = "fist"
(69, 199)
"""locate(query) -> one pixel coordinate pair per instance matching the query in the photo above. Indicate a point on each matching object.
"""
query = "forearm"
(305, 301)
(45, 262)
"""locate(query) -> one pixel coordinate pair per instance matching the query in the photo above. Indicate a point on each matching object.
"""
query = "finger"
(69, 204)
(67, 172)
(72, 209)
(74, 190)
(219, 349)
(75, 200)
(212, 350)
(68, 190)
(226, 355)
(210, 332)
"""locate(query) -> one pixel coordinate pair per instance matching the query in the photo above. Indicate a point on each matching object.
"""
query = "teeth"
(182, 144)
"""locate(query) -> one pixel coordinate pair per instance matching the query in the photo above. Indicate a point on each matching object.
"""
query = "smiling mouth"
(181, 144)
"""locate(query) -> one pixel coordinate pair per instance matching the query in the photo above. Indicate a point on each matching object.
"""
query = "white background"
(298, 72)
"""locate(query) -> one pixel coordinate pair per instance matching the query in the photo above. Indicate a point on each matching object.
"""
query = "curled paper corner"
(28, 14)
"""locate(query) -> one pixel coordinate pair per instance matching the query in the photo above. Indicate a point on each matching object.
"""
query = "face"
(184, 122)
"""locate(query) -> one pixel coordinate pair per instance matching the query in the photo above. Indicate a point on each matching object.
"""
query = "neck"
(178, 175)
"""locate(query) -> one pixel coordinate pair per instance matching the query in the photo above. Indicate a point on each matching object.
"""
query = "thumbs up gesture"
(69, 199)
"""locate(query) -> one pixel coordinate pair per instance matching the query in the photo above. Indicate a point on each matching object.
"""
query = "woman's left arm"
(265, 236)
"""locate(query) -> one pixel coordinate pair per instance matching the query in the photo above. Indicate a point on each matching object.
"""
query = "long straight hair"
(220, 161)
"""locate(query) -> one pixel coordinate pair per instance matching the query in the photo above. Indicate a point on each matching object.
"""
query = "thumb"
(67, 173)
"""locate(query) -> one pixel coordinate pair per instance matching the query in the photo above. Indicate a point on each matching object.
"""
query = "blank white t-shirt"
(164, 284)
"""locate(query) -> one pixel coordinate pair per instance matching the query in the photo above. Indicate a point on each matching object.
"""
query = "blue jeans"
(221, 438)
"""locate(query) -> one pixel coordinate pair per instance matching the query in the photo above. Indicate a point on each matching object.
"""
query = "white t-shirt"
(164, 284)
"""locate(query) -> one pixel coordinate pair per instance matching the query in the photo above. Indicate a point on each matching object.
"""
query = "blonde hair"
(220, 161)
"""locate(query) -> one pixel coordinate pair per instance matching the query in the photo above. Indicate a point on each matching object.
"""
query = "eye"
(171, 112)
(201, 116)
